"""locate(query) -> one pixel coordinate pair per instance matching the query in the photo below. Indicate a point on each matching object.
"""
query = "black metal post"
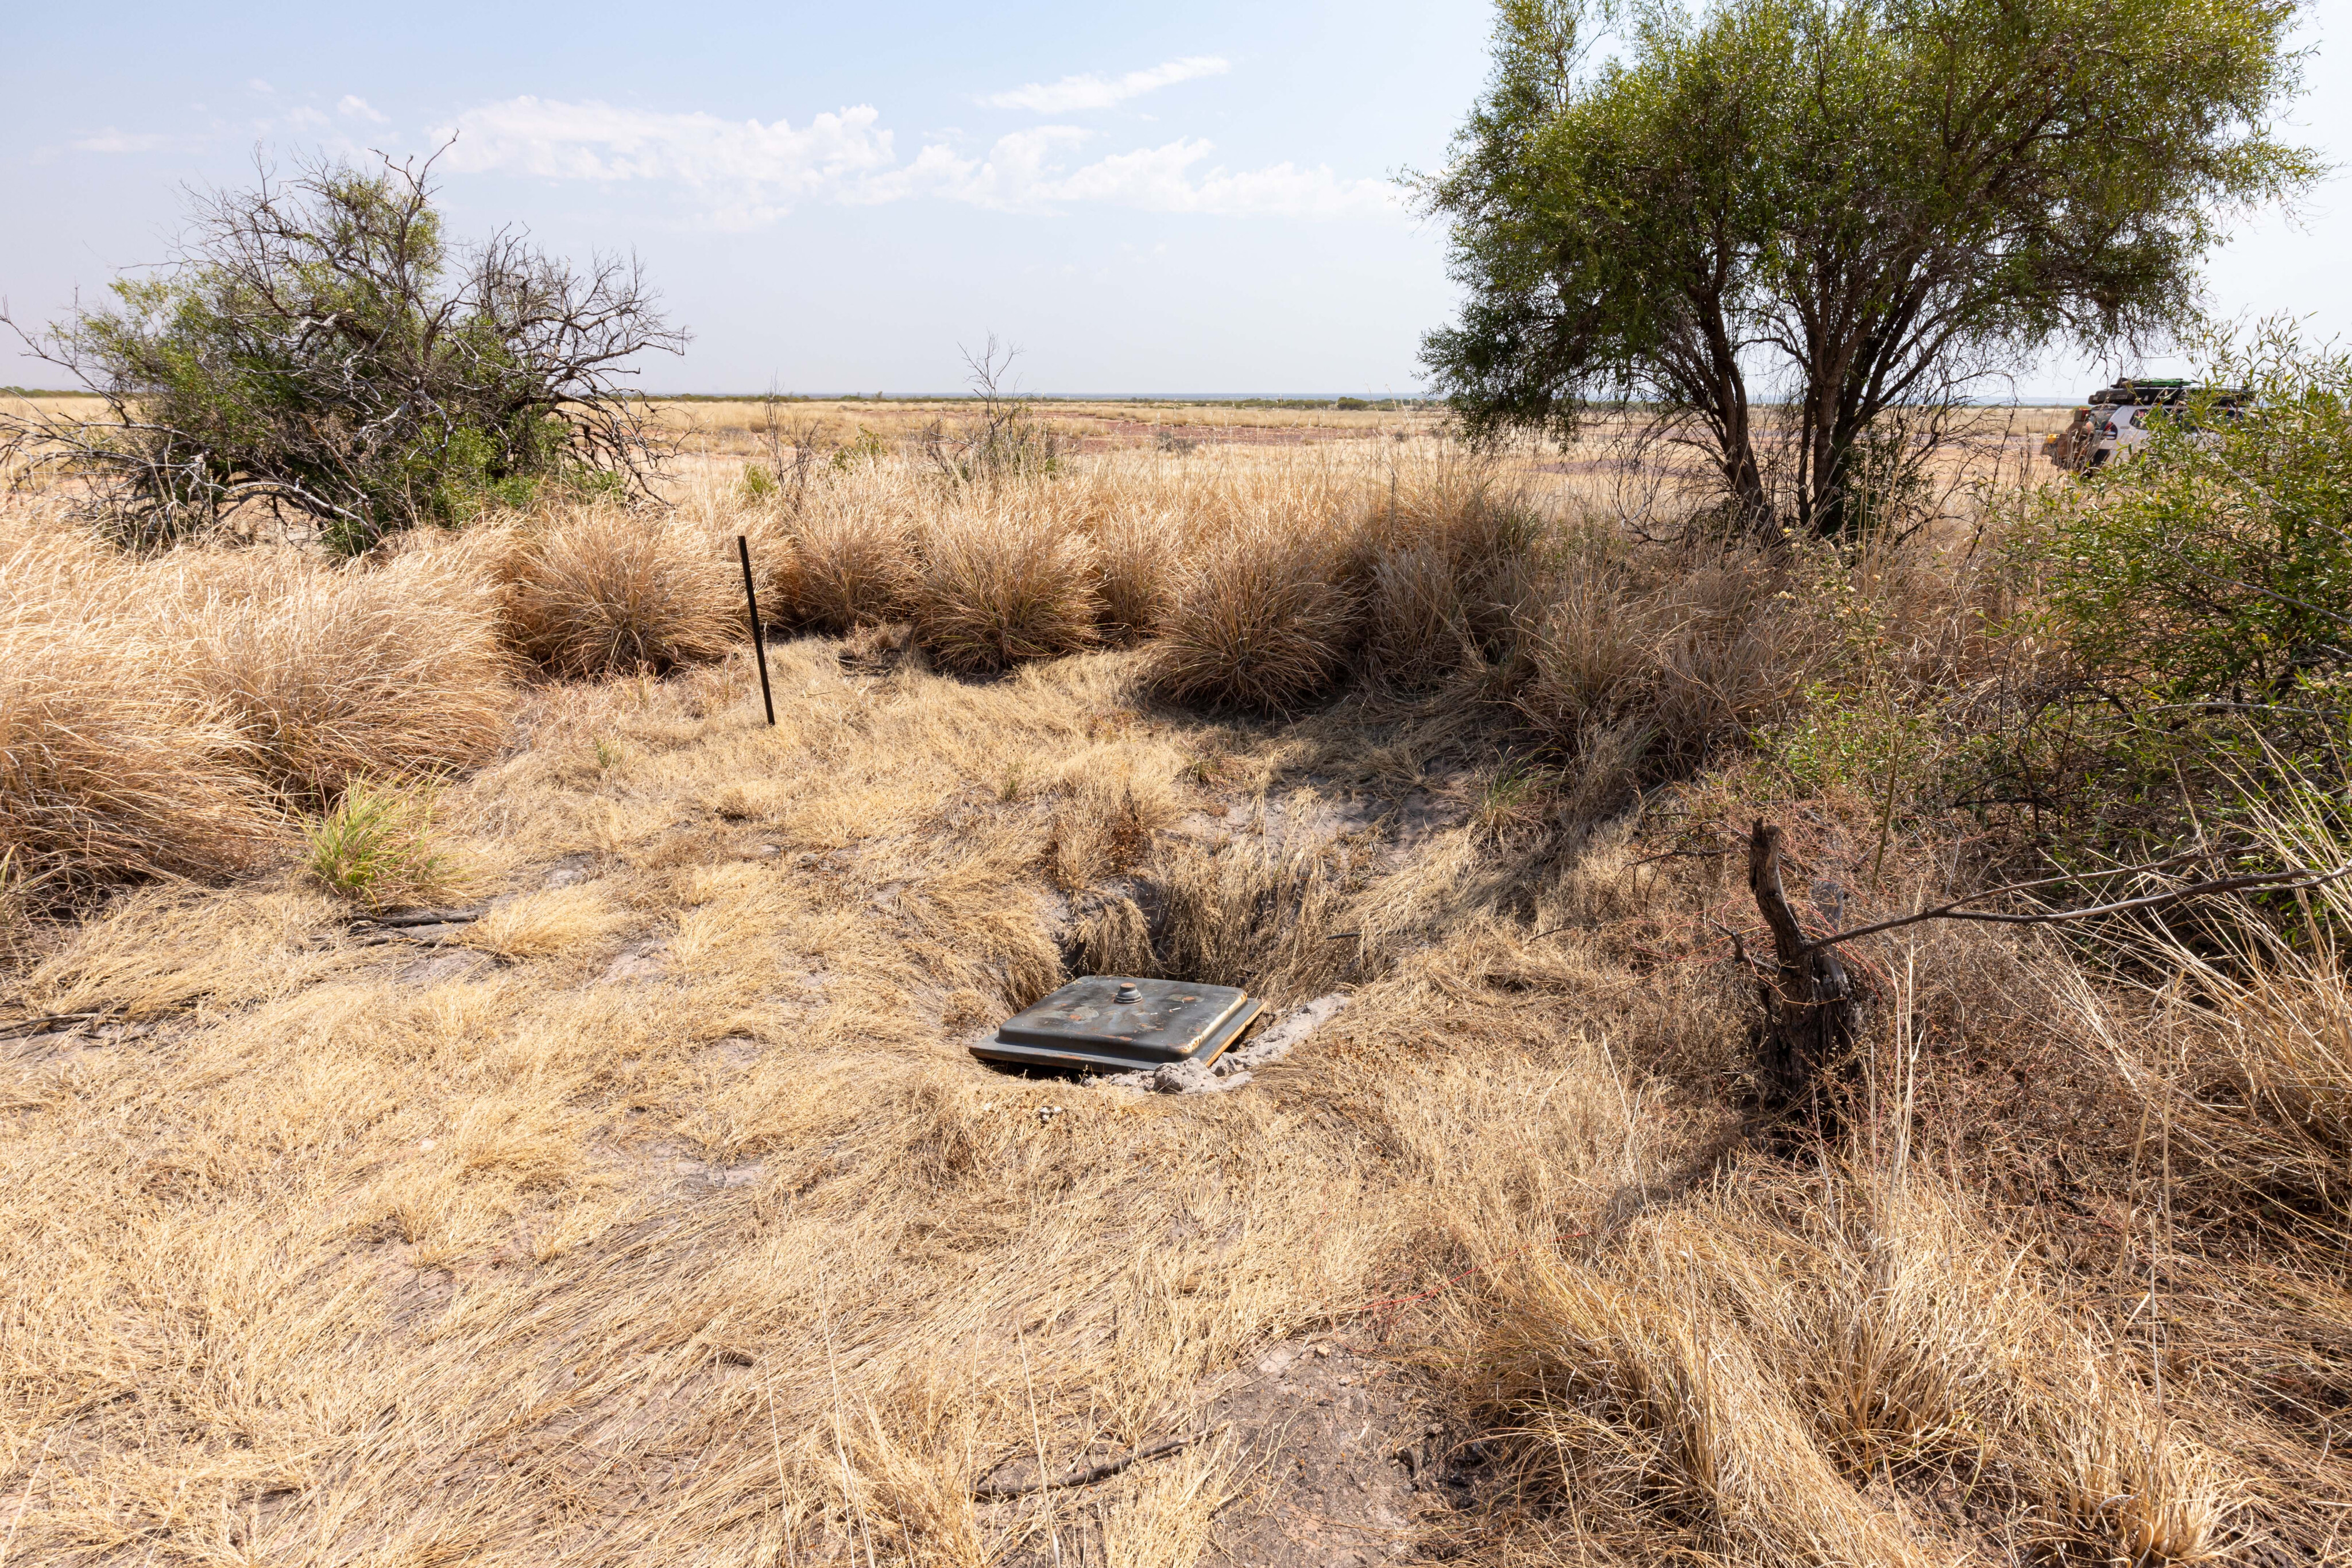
(758, 642)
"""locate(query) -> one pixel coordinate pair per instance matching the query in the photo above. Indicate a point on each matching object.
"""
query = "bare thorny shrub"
(1003, 440)
(319, 348)
(793, 451)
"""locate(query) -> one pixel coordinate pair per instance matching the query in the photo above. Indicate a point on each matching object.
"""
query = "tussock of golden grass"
(1420, 624)
(155, 710)
(1454, 570)
(1259, 622)
(332, 674)
(995, 588)
(110, 771)
(853, 559)
(1676, 657)
(610, 590)
(1134, 572)
(106, 774)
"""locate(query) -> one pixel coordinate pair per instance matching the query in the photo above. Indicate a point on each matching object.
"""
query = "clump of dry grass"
(854, 558)
(162, 712)
(332, 673)
(1134, 554)
(2246, 1058)
(1668, 657)
(109, 774)
(111, 768)
(608, 590)
(1258, 621)
(775, 563)
(994, 588)
(1454, 564)
(1114, 798)
(1235, 914)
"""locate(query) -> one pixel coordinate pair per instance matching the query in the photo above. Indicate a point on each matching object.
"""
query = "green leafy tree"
(320, 347)
(1800, 232)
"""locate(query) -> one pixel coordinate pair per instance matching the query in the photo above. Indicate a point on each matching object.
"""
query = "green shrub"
(870, 447)
(757, 487)
(323, 348)
(1864, 742)
(2218, 562)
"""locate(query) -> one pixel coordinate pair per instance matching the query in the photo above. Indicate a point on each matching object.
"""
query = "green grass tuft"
(375, 846)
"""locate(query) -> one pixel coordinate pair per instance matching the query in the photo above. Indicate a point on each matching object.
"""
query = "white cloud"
(1008, 179)
(1159, 179)
(1073, 93)
(745, 174)
(351, 107)
(751, 171)
(113, 140)
(256, 84)
(1025, 171)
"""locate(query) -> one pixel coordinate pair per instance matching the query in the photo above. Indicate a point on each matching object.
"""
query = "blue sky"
(1145, 199)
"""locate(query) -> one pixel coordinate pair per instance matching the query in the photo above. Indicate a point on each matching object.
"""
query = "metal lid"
(1125, 1019)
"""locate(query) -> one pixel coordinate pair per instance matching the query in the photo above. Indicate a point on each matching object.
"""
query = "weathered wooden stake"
(1808, 1010)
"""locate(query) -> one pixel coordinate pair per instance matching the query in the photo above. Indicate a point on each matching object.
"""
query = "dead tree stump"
(1809, 1009)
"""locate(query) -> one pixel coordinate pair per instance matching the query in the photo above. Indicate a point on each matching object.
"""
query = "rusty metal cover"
(1119, 1023)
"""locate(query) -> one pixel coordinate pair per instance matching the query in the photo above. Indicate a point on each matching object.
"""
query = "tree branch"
(2256, 882)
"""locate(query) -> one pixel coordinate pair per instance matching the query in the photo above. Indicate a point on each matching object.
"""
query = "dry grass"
(162, 717)
(606, 590)
(524, 1131)
(662, 1213)
(108, 774)
(1673, 658)
(334, 674)
(1131, 549)
(1457, 567)
(997, 588)
(734, 427)
(854, 556)
(2244, 1049)
(1739, 1369)
(1231, 914)
(1259, 620)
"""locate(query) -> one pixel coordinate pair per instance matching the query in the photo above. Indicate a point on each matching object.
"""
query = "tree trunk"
(1809, 1011)
(1744, 476)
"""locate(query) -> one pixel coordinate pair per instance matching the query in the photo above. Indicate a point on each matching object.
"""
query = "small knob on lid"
(1127, 993)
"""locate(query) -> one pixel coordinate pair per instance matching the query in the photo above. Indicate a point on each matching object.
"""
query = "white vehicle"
(2117, 421)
